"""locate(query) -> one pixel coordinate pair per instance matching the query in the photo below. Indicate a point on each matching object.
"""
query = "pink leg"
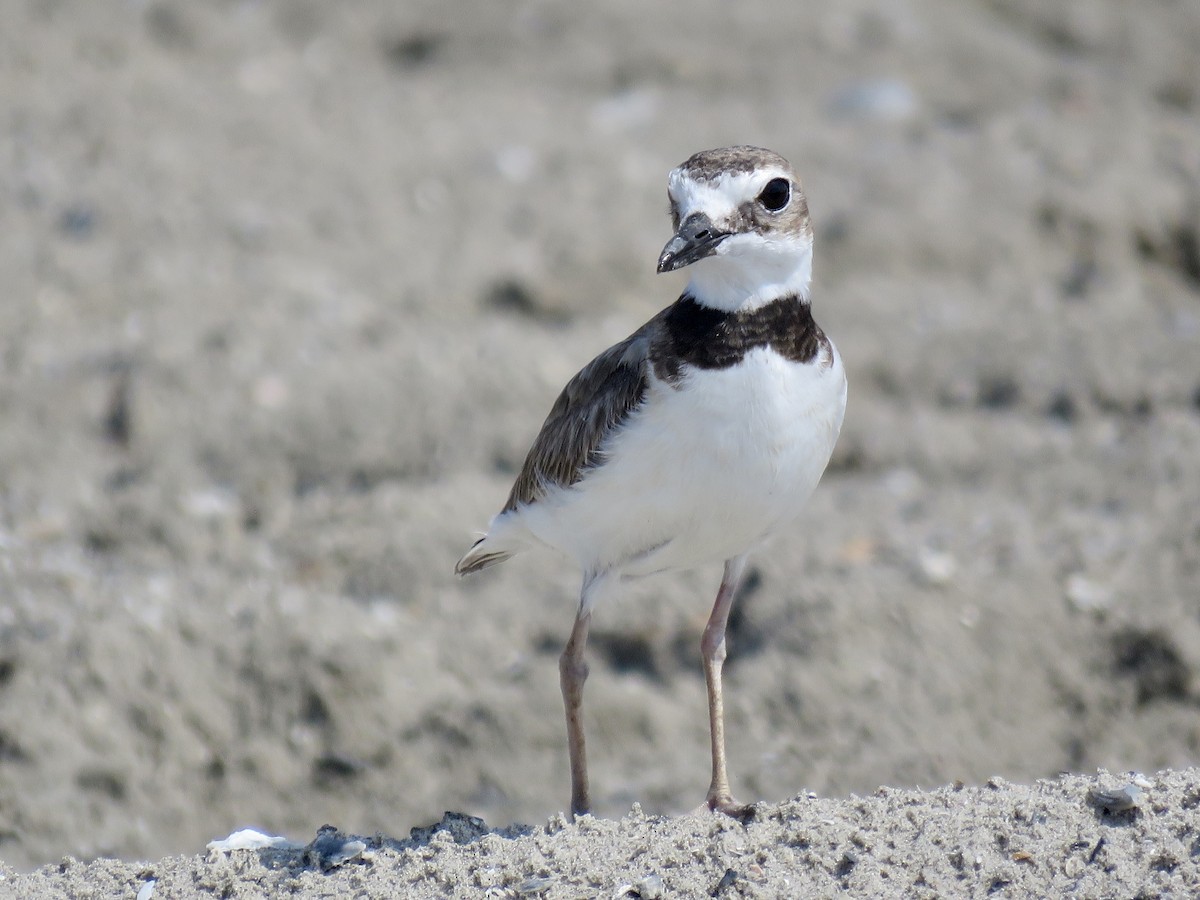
(573, 672)
(712, 649)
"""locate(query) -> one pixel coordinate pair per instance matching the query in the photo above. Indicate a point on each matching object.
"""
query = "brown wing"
(590, 407)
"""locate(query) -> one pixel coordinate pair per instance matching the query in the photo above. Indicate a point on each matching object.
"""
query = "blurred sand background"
(289, 287)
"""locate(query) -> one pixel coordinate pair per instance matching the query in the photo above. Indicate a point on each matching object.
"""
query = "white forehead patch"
(718, 199)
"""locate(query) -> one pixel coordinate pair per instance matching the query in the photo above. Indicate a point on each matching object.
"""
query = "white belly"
(708, 470)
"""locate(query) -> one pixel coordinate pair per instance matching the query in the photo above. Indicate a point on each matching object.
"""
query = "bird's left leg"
(573, 672)
(712, 649)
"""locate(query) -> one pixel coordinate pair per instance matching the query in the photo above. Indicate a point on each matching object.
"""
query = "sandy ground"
(290, 288)
(1052, 839)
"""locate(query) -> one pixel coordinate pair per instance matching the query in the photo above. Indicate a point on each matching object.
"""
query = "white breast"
(706, 469)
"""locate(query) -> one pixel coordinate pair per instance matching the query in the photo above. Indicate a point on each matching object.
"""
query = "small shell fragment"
(650, 887)
(1122, 799)
(249, 839)
(1086, 595)
(330, 848)
(535, 885)
(343, 854)
(936, 568)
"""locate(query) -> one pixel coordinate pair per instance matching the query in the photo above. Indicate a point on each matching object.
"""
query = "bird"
(695, 439)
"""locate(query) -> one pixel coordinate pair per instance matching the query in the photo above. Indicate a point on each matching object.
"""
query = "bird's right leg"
(712, 648)
(573, 672)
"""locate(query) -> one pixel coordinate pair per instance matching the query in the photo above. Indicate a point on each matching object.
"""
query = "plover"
(696, 438)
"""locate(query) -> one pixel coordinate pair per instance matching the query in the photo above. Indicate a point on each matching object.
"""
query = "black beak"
(695, 239)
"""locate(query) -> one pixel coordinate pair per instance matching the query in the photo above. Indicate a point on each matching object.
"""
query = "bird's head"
(741, 222)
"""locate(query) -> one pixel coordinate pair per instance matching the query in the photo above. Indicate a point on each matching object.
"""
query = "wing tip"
(479, 558)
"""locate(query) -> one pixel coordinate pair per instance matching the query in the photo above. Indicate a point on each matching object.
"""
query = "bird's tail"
(480, 557)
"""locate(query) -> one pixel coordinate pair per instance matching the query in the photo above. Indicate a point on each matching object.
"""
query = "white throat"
(744, 274)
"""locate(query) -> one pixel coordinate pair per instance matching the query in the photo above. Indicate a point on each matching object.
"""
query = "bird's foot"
(743, 812)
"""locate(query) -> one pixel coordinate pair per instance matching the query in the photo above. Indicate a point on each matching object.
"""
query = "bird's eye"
(776, 194)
